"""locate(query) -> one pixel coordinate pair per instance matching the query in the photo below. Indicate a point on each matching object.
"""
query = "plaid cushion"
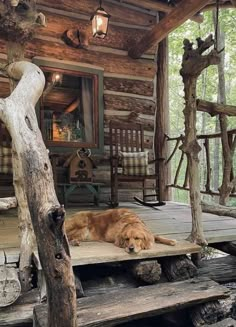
(134, 163)
(5, 160)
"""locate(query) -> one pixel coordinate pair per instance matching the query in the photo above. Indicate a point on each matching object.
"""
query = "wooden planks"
(130, 304)
(87, 7)
(131, 104)
(101, 252)
(21, 312)
(118, 37)
(172, 220)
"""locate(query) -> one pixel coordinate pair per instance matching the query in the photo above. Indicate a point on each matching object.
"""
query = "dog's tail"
(164, 240)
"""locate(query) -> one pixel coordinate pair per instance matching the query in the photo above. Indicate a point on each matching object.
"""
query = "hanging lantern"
(100, 21)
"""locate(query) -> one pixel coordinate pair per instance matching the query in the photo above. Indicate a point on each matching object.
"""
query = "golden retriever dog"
(119, 226)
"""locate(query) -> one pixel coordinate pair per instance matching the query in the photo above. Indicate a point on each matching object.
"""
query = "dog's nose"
(131, 248)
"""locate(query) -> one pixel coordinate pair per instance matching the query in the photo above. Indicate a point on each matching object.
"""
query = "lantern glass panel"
(100, 23)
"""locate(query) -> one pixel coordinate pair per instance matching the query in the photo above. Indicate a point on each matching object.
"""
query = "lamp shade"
(100, 21)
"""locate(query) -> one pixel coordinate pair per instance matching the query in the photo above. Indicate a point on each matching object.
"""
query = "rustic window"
(71, 107)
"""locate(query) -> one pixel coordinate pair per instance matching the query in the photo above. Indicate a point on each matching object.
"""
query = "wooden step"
(102, 252)
(126, 305)
(229, 322)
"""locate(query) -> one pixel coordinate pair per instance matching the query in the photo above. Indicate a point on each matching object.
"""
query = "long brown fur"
(119, 226)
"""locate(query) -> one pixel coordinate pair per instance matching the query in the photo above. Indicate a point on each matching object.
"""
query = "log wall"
(128, 83)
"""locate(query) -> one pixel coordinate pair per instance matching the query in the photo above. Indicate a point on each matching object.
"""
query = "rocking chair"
(129, 161)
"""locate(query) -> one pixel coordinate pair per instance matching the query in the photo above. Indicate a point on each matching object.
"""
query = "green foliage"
(207, 86)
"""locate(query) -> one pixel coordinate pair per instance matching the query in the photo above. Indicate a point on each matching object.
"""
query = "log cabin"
(125, 75)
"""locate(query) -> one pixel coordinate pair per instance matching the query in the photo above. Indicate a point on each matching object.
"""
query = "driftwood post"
(194, 62)
(18, 22)
(18, 113)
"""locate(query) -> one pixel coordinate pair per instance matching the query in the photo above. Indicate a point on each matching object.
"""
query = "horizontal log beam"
(178, 15)
(227, 247)
(160, 6)
(203, 192)
(112, 63)
(87, 7)
(219, 210)
(213, 108)
(8, 203)
(212, 6)
(221, 270)
(202, 136)
(151, 5)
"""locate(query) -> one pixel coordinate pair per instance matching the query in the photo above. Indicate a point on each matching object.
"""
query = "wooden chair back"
(125, 137)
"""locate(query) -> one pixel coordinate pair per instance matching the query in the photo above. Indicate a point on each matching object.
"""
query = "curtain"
(87, 108)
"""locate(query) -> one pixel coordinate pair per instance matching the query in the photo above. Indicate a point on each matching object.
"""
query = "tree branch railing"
(183, 170)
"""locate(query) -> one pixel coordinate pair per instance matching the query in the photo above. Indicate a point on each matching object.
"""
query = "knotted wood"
(206, 314)
(146, 271)
(18, 114)
(178, 268)
(8, 203)
(10, 288)
(194, 62)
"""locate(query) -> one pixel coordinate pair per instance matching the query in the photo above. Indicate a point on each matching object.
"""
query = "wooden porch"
(172, 220)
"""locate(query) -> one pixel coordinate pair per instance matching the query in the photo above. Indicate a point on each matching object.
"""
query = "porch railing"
(180, 175)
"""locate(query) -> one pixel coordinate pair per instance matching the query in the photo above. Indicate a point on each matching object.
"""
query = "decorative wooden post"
(17, 27)
(192, 65)
(18, 114)
(162, 121)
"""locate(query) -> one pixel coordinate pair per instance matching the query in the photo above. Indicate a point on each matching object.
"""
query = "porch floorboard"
(172, 220)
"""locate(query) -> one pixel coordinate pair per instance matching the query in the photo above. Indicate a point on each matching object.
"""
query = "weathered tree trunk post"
(18, 113)
(15, 52)
(192, 65)
(226, 185)
(17, 27)
(162, 122)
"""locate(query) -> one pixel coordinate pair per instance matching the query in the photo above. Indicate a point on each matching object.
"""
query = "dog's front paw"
(74, 243)
(173, 242)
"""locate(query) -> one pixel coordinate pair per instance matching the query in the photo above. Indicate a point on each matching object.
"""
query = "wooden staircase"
(111, 309)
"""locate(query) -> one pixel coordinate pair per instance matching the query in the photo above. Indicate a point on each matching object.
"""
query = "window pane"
(68, 108)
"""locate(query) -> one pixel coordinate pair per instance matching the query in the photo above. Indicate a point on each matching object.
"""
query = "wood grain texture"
(118, 37)
(221, 270)
(179, 14)
(131, 304)
(129, 85)
(172, 220)
(97, 252)
(10, 287)
(126, 103)
(112, 63)
(87, 7)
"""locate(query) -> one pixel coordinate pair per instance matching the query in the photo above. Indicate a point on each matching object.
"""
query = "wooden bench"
(132, 304)
(94, 188)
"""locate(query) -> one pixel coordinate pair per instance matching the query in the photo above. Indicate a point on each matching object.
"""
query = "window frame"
(76, 69)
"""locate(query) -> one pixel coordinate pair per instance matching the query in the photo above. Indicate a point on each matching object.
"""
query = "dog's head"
(134, 238)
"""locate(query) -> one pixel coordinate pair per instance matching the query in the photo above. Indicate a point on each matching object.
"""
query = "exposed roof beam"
(151, 5)
(159, 6)
(222, 5)
(179, 14)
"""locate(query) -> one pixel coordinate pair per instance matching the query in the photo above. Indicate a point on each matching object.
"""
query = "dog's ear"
(120, 241)
(148, 240)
